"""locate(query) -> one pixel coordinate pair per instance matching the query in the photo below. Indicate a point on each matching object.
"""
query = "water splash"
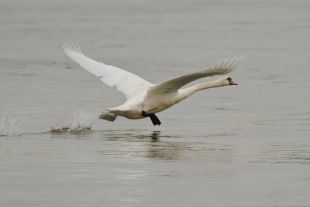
(80, 121)
(11, 124)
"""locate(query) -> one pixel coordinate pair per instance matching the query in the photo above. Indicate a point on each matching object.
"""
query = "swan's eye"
(229, 79)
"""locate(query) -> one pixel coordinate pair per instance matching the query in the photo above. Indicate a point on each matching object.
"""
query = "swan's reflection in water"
(165, 146)
(149, 145)
(155, 136)
(161, 145)
(163, 150)
(131, 136)
(135, 144)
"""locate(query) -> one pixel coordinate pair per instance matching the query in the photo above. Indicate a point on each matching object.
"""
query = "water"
(240, 146)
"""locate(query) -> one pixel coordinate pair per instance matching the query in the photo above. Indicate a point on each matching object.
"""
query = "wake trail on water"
(11, 124)
(78, 122)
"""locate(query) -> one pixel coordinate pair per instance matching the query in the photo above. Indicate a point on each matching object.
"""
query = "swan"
(144, 99)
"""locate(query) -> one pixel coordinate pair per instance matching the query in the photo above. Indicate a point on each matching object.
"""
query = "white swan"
(144, 99)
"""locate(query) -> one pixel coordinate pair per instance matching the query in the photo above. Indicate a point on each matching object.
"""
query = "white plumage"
(144, 99)
(126, 82)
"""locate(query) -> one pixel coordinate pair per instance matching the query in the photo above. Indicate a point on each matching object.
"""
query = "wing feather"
(176, 83)
(124, 81)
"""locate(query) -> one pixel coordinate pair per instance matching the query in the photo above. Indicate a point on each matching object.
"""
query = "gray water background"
(239, 146)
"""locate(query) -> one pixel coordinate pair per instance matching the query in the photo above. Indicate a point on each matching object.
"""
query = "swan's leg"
(108, 116)
(153, 118)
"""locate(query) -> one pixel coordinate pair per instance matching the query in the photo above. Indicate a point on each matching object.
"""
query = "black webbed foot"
(108, 116)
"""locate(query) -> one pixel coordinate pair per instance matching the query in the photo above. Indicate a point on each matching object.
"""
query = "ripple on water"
(286, 153)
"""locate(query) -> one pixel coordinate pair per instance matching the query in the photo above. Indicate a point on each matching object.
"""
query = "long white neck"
(186, 92)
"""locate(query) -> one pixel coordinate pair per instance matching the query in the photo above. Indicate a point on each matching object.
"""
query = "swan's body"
(144, 99)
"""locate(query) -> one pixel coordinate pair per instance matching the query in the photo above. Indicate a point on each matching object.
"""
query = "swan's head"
(230, 81)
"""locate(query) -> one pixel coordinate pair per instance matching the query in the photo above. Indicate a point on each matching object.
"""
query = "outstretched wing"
(176, 83)
(126, 82)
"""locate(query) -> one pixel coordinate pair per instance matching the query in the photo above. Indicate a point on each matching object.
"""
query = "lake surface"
(247, 145)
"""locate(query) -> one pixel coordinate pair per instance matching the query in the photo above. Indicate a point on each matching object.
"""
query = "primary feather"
(176, 83)
(124, 81)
